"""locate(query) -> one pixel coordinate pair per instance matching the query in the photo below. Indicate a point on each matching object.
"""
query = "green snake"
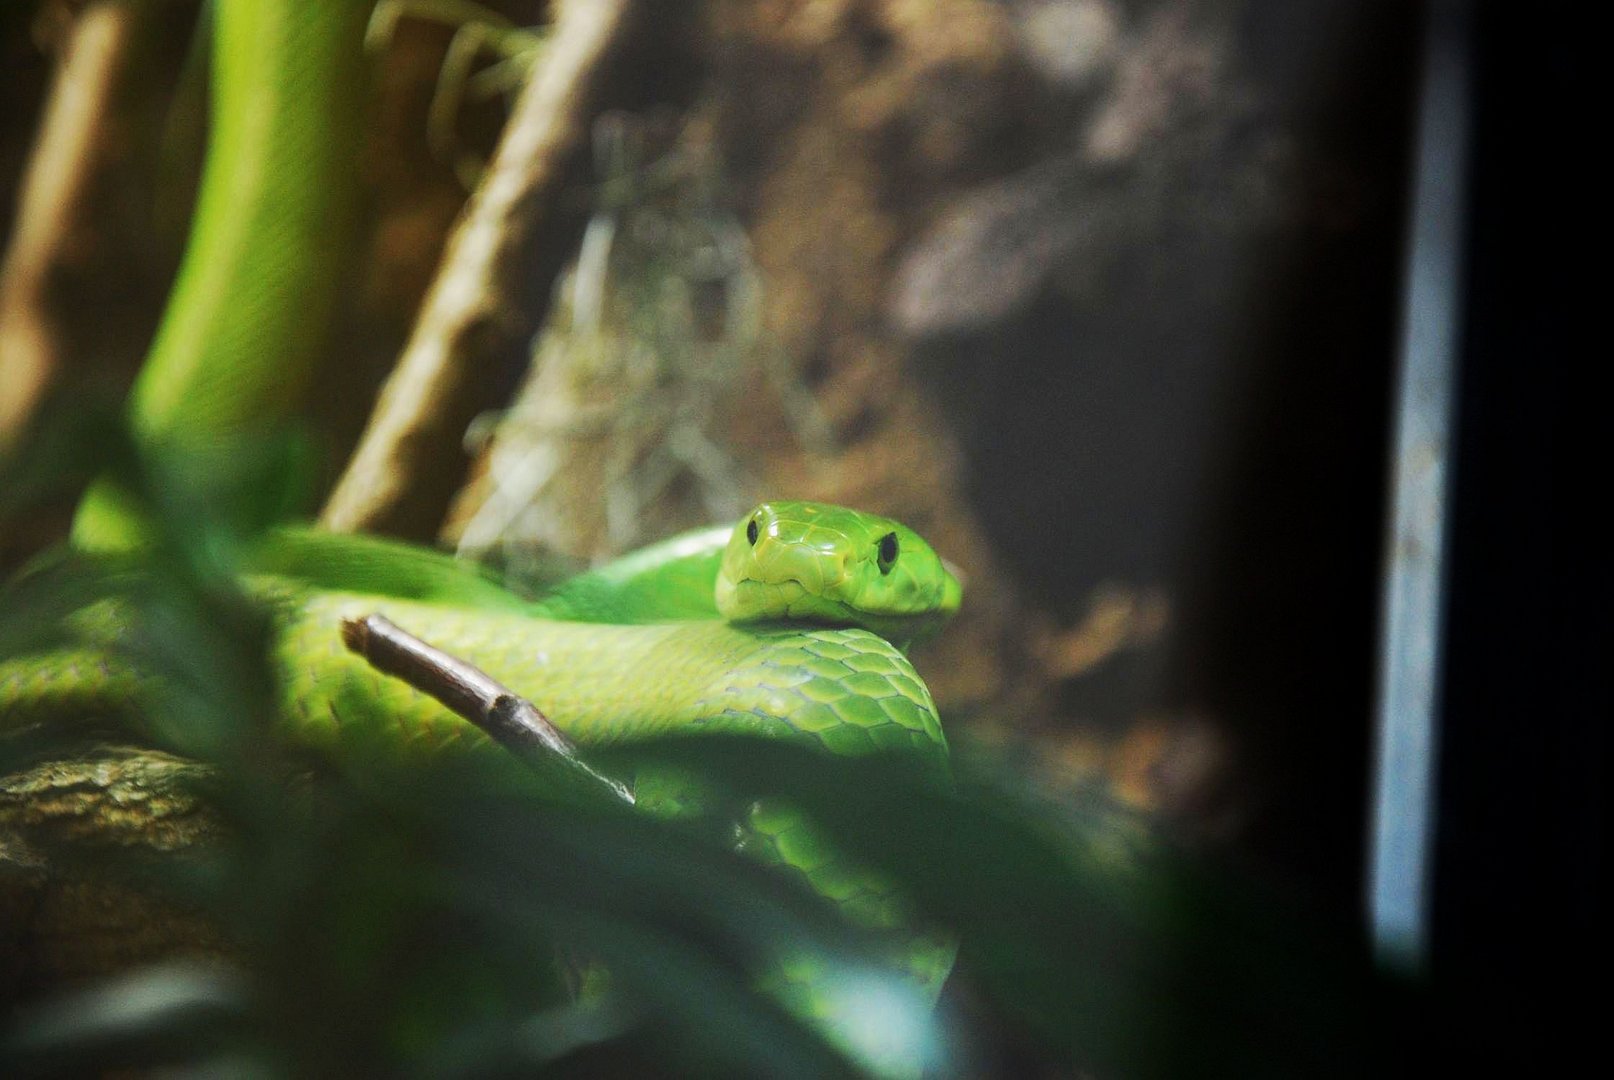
(791, 624)
(754, 629)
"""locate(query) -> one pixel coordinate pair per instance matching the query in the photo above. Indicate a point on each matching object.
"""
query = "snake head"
(826, 564)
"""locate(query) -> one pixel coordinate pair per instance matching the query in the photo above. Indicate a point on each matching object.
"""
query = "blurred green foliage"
(460, 917)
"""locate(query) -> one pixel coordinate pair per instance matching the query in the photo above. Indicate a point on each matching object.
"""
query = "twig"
(489, 297)
(509, 719)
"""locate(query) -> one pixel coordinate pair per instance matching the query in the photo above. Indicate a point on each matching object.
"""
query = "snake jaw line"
(789, 598)
(837, 567)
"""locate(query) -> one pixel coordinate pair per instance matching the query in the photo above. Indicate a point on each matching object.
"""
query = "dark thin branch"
(509, 719)
(465, 689)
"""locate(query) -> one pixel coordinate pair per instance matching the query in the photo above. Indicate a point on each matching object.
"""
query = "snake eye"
(751, 532)
(888, 552)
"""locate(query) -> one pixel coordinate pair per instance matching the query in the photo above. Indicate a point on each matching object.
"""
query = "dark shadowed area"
(1104, 298)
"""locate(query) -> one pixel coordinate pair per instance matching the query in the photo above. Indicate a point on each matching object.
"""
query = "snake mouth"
(767, 594)
(788, 598)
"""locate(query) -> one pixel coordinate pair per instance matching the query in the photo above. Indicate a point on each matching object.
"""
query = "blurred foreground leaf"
(1103, 946)
(458, 917)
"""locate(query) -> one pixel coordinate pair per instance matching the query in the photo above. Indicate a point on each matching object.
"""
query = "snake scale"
(791, 624)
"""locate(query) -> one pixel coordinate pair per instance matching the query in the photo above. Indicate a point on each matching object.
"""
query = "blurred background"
(1101, 296)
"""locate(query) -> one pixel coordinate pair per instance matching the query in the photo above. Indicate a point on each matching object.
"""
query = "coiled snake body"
(791, 624)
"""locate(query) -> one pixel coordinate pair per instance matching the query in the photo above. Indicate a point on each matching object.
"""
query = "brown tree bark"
(65, 915)
(86, 203)
(493, 286)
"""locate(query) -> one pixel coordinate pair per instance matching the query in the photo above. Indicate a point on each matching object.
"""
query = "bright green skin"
(654, 615)
(600, 655)
(818, 563)
(289, 78)
(275, 211)
(824, 681)
(837, 686)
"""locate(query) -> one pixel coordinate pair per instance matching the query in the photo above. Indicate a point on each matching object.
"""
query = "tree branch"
(102, 115)
(491, 292)
(509, 719)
